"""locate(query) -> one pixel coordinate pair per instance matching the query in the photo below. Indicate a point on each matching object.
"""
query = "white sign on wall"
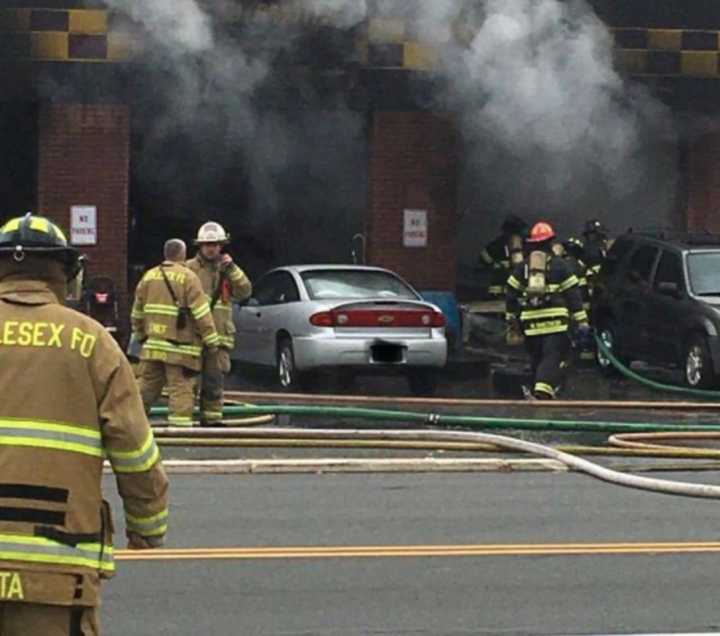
(83, 225)
(415, 228)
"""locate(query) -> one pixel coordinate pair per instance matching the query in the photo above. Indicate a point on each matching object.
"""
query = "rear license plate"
(387, 354)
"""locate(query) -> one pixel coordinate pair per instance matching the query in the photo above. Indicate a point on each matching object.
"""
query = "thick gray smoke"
(544, 112)
(548, 126)
(269, 141)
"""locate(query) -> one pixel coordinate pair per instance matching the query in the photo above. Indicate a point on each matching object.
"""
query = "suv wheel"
(607, 334)
(697, 364)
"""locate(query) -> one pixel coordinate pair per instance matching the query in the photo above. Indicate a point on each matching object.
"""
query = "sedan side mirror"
(669, 289)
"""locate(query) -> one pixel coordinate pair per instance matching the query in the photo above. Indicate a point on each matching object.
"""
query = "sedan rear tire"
(286, 373)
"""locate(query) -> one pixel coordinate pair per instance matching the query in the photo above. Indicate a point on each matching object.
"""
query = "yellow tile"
(632, 60)
(120, 47)
(390, 30)
(664, 39)
(88, 22)
(419, 57)
(703, 63)
(50, 45)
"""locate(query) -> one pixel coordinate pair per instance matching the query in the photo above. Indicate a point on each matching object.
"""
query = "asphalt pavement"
(548, 579)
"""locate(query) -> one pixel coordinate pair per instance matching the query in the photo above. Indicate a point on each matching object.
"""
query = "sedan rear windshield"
(704, 269)
(353, 284)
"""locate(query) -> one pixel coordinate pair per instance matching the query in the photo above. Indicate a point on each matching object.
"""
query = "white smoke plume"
(548, 125)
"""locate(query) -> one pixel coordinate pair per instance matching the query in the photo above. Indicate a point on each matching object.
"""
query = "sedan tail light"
(379, 318)
(322, 319)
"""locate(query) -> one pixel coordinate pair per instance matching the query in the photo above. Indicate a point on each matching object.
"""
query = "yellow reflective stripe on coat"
(545, 329)
(486, 258)
(161, 310)
(136, 461)
(200, 311)
(568, 283)
(548, 312)
(580, 316)
(151, 526)
(212, 340)
(180, 420)
(153, 344)
(514, 283)
(29, 549)
(223, 307)
(227, 341)
(138, 314)
(50, 435)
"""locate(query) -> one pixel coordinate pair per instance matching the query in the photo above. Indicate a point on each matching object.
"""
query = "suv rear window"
(704, 270)
(619, 248)
(641, 263)
(670, 270)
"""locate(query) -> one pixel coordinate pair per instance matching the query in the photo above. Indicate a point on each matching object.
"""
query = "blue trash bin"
(448, 304)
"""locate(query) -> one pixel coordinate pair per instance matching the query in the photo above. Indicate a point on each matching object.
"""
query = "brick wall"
(703, 183)
(413, 165)
(83, 159)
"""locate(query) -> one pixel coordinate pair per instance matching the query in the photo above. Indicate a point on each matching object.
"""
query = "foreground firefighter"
(223, 282)
(543, 300)
(172, 320)
(68, 399)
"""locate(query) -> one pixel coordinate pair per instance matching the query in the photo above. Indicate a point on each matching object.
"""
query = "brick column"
(703, 183)
(83, 159)
(413, 165)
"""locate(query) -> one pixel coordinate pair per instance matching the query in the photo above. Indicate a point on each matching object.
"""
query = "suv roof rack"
(679, 236)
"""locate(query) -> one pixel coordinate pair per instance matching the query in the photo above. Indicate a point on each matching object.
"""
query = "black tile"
(42, 20)
(15, 45)
(88, 47)
(664, 62)
(631, 38)
(386, 55)
(700, 40)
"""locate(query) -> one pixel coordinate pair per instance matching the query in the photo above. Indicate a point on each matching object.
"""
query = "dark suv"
(658, 300)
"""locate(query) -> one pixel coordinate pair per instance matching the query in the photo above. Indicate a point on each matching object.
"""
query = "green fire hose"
(658, 386)
(464, 421)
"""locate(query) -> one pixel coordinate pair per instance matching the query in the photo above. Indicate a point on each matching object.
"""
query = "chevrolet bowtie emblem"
(386, 320)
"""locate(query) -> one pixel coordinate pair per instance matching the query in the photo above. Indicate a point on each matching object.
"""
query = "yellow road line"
(329, 552)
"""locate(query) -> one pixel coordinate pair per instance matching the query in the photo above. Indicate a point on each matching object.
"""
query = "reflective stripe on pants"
(548, 357)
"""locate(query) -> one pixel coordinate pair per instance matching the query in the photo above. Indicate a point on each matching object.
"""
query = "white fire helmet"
(211, 232)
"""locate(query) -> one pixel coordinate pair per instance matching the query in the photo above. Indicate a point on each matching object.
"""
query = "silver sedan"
(350, 318)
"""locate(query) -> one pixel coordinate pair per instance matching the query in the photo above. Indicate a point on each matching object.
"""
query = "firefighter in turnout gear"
(543, 300)
(223, 282)
(596, 246)
(69, 400)
(172, 319)
(503, 253)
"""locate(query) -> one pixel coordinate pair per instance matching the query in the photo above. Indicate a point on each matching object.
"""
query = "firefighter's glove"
(138, 542)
